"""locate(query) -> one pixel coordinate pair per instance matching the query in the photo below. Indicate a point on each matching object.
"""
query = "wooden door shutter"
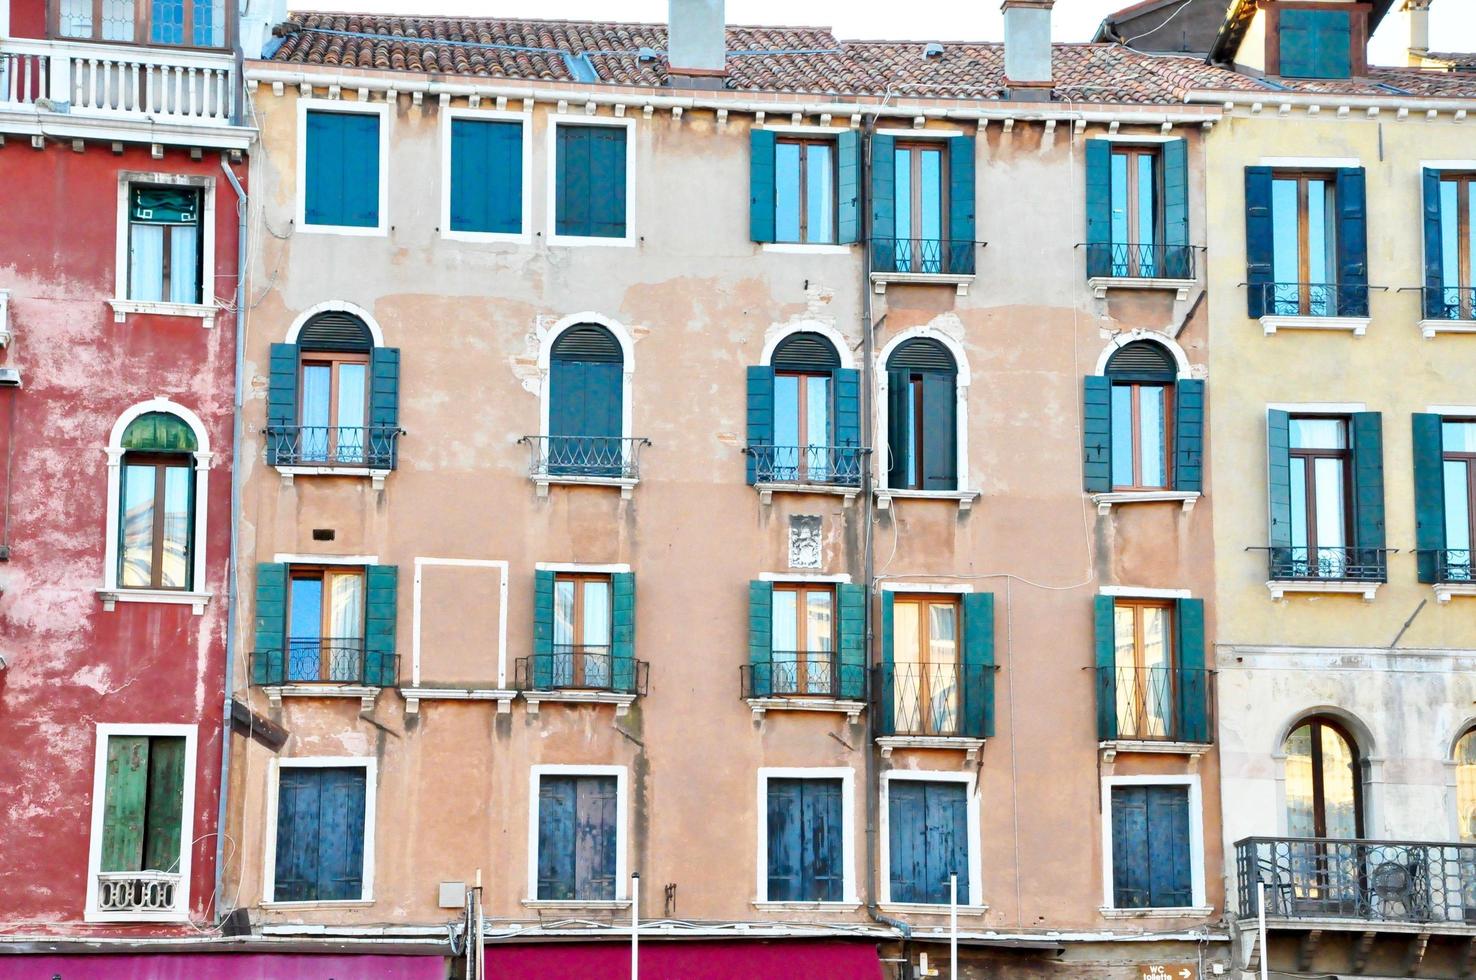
(595, 816)
(961, 208)
(1368, 485)
(1193, 682)
(1096, 434)
(557, 812)
(760, 419)
(847, 395)
(1352, 243)
(822, 835)
(760, 637)
(125, 795)
(940, 433)
(543, 629)
(1278, 478)
(165, 810)
(384, 406)
(978, 665)
(1176, 209)
(269, 658)
(1189, 435)
(341, 834)
(298, 835)
(607, 182)
(1260, 237)
(1098, 208)
(761, 184)
(1434, 248)
(848, 187)
(946, 823)
(851, 600)
(886, 693)
(899, 447)
(907, 839)
(381, 593)
(573, 189)
(342, 169)
(1131, 867)
(783, 839)
(486, 176)
(883, 203)
(281, 403)
(1429, 494)
(1170, 879)
(1105, 609)
(622, 632)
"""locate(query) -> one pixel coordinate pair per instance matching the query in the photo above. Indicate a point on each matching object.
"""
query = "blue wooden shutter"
(1105, 610)
(821, 857)
(887, 692)
(543, 627)
(760, 419)
(1315, 43)
(1193, 686)
(381, 593)
(1096, 434)
(1429, 494)
(1170, 881)
(1176, 209)
(783, 835)
(1434, 248)
(577, 184)
(269, 661)
(1130, 861)
(899, 446)
(342, 169)
(298, 835)
(883, 203)
(486, 176)
(940, 433)
(281, 403)
(978, 665)
(946, 824)
(596, 813)
(341, 829)
(622, 625)
(851, 670)
(961, 225)
(760, 637)
(607, 182)
(1368, 485)
(323, 201)
(1260, 239)
(761, 203)
(847, 394)
(1352, 243)
(907, 840)
(556, 821)
(1189, 435)
(568, 393)
(848, 187)
(1099, 208)
(1278, 478)
(384, 406)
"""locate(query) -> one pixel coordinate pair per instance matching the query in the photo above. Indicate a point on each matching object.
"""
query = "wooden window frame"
(1133, 154)
(160, 462)
(924, 601)
(802, 413)
(917, 448)
(166, 259)
(1303, 180)
(325, 614)
(1319, 781)
(334, 360)
(1168, 434)
(1358, 17)
(143, 22)
(1465, 184)
(801, 650)
(1142, 693)
(1345, 456)
(913, 149)
(579, 580)
(1469, 458)
(804, 142)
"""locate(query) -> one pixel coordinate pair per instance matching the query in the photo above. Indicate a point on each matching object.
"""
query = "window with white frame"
(806, 846)
(931, 822)
(322, 831)
(485, 174)
(164, 250)
(590, 181)
(342, 163)
(576, 834)
(1153, 843)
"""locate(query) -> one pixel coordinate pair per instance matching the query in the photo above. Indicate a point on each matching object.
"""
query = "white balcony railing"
(136, 891)
(118, 81)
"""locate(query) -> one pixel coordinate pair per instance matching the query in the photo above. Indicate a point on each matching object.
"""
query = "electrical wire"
(1138, 37)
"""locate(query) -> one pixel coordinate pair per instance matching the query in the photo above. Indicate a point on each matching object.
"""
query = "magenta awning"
(226, 966)
(693, 960)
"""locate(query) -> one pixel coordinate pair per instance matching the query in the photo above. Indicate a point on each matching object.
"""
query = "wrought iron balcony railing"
(330, 660)
(936, 700)
(1449, 303)
(369, 446)
(1156, 704)
(1132, 260)
(1328, 564)
(1454, 565)
(1360, 880)
(137, 891)
(923, 256)
(582, 668)
(1313, 299)
(838, 466)
(614, 457)
(804, 674)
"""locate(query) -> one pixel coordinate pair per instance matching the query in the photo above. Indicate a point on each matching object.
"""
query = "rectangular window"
(1137, 212)
(1146, 694)
(486, 176)
(1304, 217)
(156, 525)
(1151, 851)
(577, 837)
(590, 181)
(805, 841)
(801, 427)
(188, 23)
(1458, 445)
(1320, 502)
(341, 163)
(803, 657)
(925, 651)
(804, 189)
(321, 835)
(1315, 43)
(335, 402)
(927, 840)
(325, 625)
(164, 245)
(143, 800)
(581, 634)
(1140, 436)
(922, 207)
(1457, 236)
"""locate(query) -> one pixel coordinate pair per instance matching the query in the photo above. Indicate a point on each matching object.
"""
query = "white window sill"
(1195, 912)
(627, 485)
(366, 695)
(1429, 328)
(1111, 749)
(1100, 284)
(355, 231)
(806, 248)
(376, 476)
(969, 746)
(1445, 591)
(523, 237)
(766, 491)
(1356, 325)
(343, 903)
(964, 498)
(851, 709)
(414, 695)
(1105, 501)
(1279, 589)
(93, 916)
(579, 241)
(846, 906)
(879, 280)
(575, 905)
(921, 908)
(622, 702)
(203, 312)
(167, 597)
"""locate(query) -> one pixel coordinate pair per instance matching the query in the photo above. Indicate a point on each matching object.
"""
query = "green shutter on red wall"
(165, 810)
(761, 204)
(1434, 247)
(1098, 208)
(851, 600)
(1105, 613)
(268, 657)
(381, 597)
(978, 665)
(1260, 238)
(125, 796)
(760, 637)
(1429, 494)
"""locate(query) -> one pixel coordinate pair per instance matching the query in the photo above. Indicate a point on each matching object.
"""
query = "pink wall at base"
(688, 960)
(224, 966)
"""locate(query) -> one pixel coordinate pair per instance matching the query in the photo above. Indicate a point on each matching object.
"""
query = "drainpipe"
(237, 430)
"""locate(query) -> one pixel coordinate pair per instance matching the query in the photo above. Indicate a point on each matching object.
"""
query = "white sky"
(1452, 24)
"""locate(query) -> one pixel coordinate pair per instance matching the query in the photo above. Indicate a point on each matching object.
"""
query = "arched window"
(1465, 761)
(586, 403)
(922, 417)
(1142, 376)
(1324, 781)
(156, 524)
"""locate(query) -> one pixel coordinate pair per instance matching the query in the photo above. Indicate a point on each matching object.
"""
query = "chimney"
(1027, 33)
(1417, 13)
(696, 42)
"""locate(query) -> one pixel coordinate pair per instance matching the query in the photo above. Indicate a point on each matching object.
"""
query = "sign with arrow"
(1171, 971)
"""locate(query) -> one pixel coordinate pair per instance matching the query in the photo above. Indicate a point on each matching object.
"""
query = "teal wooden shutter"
(961, 209)
(852, 661)
(1096, 434)
(1315, 43)
(125, 795)
(543, 629)
(760, 637)
(1260, 238)
(761, 185)
(165, 810)
(1429, 494)
(848, 187)
(607, 182)
(323, 190)
(268, 657)
(883, 203)
(940, 432)
(887, 690)
(1176, 209)
(846, 462)
(1189, 435)
(899, 448)
(1352, 243)
(760, 419)
(1278, 478)
(384, 406)
(978, 665)
(281, 403)
(622, 627)
(1434, 248)
(1193, 681)
(380, 598)
(571, 181)
(1368, 485)
(486, 176)
(1105, 610)
(1098, 208)
(342, 169)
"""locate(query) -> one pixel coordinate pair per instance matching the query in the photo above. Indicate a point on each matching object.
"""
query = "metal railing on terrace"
(1313, 299)
(584, 668)
(614, 457)
(1340, 564)
(371, 446)
(1454, 565)
(923, 256)
(1449, 303)
(1135, 260)
(839, 466)
(329, 660)
(805, 674)
(932, 700)
(1156, 704)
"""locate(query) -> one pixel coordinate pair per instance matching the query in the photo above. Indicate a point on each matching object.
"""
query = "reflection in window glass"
(1322, 773)
(1465, 760)
(819, 193)
(787, 191)
(138, 527)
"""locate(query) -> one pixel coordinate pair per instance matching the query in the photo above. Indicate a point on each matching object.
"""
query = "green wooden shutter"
(1429, 494)
(760, 419)
(1434, 248)
(543, 629)
(887, 691)
(848, 187)
(269, 659)
(1099, 208)
(384, 406)
(846, 383)
(1260, 238)
(1193, 684)
(607, 182)
(1176, 209)
(961, 209)
(381, 588)
(852, 662)
(1368, 485)
(1278, 478)
(899, 448)
(940, 432)
(1189, 435)
(978, 665)
(486, 176)
(1096, 434)
(323, 190)
(1106, 643)
(760, 637)
(883, 203)
(1352, 243)
(125, 795)
(1315, 43)
(571, 181)
(342, 169)
(622, 626)
(281, 403)
(761, 202)
(165, 809)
